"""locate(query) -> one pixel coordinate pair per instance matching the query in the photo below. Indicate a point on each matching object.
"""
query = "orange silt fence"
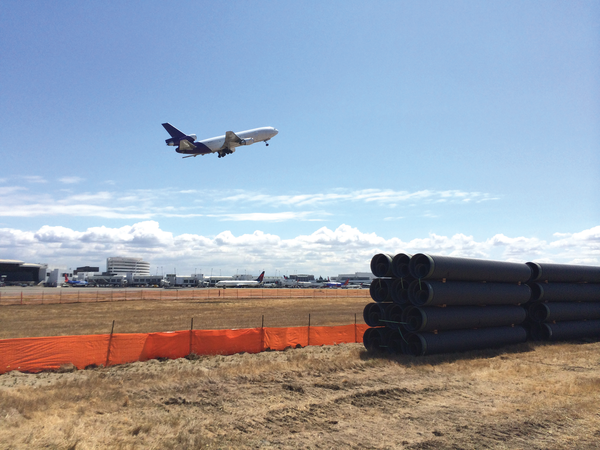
(50, 353)
(40, 353)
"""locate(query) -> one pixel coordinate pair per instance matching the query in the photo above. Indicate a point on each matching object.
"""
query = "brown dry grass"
(150, 315)
(529, 397)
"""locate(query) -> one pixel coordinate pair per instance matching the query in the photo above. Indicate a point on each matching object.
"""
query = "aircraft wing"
(230, 138)
(186, 145)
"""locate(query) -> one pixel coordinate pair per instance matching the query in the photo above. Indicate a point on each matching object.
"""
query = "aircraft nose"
(276, 131)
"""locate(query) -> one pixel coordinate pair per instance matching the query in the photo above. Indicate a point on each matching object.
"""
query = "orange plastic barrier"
(49, 353)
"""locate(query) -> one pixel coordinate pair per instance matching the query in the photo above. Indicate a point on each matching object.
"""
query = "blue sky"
(463, 128)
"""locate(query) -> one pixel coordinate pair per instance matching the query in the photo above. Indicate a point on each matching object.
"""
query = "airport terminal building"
(123, 265)
(122, 271)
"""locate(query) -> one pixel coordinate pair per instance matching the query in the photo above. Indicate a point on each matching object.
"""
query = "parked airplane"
(223, 145)
(242, 283)
(333, 284)
(293, 282)
(75, 282)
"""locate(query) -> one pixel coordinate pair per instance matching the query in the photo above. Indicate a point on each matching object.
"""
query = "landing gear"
(267, 142)
(224, 153)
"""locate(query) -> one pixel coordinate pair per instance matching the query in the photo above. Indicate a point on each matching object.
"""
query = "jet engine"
(247, 141)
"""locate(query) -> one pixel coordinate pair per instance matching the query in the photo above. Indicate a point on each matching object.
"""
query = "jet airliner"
(333, 284)
(222, 145)
(242, 283)
(75, 282)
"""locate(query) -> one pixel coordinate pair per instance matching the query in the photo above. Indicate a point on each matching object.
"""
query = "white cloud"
(384, 197)
(34, 179)
(271, 217)
(235, 206)
(323, 252)
(71, 180)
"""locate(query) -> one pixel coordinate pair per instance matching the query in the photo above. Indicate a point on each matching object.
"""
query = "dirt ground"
(530, 396)
(527, 397)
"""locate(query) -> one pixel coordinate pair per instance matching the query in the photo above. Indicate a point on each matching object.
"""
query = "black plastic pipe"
(395, 342)
(563, 331)
(392, 315)
(371, 339)
(374, 339)
(564, 292)
(381, 265)
(559, 311)
(372, 314)
(564, 273)
(430, 318)
(426, 343)
(431, 267)
(432, 293)
(400, 265)
(399, 290)
(380, 290)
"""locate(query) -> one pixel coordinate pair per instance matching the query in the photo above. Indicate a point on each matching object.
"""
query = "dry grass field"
(170, 310)
(530, 396)
(525, 397)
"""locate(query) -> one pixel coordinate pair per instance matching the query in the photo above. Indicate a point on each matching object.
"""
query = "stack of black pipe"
(390, 293)
(565, 301)
(428, 304)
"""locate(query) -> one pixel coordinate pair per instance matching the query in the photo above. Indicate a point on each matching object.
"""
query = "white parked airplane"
(242, 283)
(223, 145)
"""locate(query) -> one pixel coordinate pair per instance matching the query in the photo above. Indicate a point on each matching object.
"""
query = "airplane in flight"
(242, 283)
(222, 145)
(75, 282)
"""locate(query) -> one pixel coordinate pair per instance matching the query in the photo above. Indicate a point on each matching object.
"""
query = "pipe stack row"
(565, 301)
(428, 304)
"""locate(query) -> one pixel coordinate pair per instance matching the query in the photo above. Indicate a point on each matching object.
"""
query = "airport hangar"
(19, 272)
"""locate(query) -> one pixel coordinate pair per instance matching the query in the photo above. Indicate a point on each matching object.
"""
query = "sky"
(462, 128)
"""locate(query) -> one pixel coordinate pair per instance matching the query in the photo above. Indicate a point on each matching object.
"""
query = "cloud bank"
(325, 252)
(144, 204)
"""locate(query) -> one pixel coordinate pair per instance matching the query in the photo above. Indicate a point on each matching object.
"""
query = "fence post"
(262, 333)
(78, 292)
(60, 296)
(142, 295)
(191, 335)
(355, 333)
(21, 297)
(42, 297)
(109, 344)
(308, 330)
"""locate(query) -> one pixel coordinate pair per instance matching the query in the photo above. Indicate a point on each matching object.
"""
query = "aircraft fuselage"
(256, 135)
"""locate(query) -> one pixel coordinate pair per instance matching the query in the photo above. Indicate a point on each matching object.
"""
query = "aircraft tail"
(174, 132)
(178, 137)
(347, 282)
(261, 277)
